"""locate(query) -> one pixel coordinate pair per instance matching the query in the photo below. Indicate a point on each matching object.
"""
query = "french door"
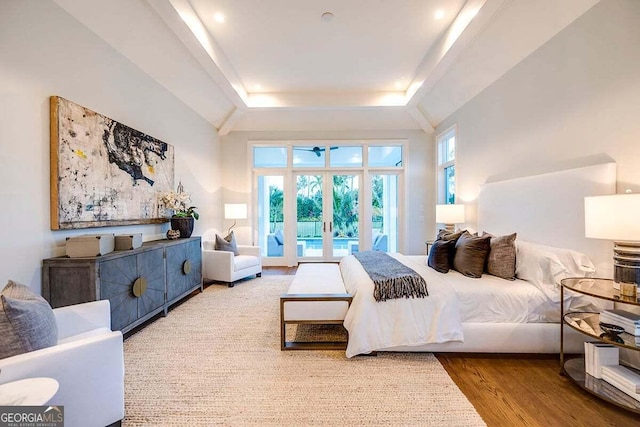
(328, 214)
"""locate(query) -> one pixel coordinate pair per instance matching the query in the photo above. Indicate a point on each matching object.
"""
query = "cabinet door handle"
(324, 226)
(330, 226)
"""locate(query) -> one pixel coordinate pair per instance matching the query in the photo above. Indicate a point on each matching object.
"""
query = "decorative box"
(90, 245)
(125, 242)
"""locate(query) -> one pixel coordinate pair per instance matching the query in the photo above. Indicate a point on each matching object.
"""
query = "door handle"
(330, 226)
(324, 226)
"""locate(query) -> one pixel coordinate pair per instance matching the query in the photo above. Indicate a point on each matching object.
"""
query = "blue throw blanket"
(391, 278)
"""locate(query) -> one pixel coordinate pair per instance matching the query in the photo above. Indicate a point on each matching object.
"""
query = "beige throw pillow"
(501, 261)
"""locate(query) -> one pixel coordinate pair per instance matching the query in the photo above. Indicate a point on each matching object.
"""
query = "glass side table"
(589, 325)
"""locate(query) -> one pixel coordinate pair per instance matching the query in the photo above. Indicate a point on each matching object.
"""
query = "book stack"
(623, 379)
(629, 321)
(597, 355)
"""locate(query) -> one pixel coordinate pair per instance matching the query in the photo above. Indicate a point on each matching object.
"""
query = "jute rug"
(216, 360)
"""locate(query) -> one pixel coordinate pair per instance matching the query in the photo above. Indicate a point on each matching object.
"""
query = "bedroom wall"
(46, 52)
(419, 175)
(573, 102)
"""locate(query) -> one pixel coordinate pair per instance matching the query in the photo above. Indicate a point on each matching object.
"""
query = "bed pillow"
(501, 260)
(441, 255)
(541, 267)
(27, 322)
(471, 254)
(447, 235)
(575, 263)
(227, 243)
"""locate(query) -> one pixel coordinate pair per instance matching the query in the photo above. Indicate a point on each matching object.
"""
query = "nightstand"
(428, 243)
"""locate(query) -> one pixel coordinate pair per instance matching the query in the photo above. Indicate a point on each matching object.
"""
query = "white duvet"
(453, 299)
(376, 325)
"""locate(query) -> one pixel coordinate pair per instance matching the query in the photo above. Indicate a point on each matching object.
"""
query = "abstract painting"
(104, 173)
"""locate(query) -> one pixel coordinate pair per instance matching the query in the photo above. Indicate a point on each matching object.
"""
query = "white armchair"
(224, 266)
(87, 362)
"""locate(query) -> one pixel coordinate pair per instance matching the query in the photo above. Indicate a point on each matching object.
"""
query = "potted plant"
(183, 218)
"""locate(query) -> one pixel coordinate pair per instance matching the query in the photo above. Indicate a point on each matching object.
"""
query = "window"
(269, 157)
(446, 142)
(321, 200)
(385, 156)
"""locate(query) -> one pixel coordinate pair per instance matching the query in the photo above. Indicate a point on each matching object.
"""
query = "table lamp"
(235, 211)
(449, 215)
(616, 217)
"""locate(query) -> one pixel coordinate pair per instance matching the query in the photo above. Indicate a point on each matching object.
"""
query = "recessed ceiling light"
(327, 16)
(219, 17)
(439, 14)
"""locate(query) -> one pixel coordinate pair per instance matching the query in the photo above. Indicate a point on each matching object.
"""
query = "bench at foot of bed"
(316, 296)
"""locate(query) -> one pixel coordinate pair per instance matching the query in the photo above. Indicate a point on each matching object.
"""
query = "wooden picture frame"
(104, 173)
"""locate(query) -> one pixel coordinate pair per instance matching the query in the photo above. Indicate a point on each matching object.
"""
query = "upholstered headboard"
(549, 209)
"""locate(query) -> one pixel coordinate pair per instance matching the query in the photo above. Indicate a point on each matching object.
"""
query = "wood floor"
(522, 390)
(527, 390)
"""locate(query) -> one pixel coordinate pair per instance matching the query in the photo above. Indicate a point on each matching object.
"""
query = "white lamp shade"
(615, 217)
(449, 214)
(235, 211)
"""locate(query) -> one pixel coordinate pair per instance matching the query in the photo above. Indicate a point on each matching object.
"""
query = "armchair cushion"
(227, 243)
(27, 322)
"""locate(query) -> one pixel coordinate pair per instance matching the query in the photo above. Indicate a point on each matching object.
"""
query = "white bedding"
(453, 299)
(399, 322)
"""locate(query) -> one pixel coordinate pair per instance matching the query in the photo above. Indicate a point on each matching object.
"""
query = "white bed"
(489, 314)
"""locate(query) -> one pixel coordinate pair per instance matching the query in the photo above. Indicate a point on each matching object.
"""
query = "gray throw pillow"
(27, 322)
(227, 243)
(441, 255)
(471, 254)
(501, 261)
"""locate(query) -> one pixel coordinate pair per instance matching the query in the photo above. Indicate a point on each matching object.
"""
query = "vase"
(183, 224)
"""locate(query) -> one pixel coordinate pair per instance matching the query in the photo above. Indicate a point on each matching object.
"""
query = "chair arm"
(215, 263)
(249, 250)
(79, 318)
(90, 374)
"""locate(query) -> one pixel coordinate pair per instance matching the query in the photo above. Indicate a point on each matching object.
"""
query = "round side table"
(28, 392)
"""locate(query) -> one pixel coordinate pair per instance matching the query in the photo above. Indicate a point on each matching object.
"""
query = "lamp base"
(626, 262)
(451, 228)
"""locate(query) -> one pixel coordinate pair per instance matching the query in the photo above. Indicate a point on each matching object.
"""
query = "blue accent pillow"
(279, 236)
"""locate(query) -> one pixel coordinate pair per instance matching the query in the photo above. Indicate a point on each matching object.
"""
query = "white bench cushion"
(316, 279)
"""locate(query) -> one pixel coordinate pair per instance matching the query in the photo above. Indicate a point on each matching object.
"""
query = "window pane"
(345, 156)
(307, 156)
(450, 152)
(450, 185)
(309, 214)
(447, 147)
(345, 213)
(270, 214)
(269, 157)
(385, 156)
(384, 213)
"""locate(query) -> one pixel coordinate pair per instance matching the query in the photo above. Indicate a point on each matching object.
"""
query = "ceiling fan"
(316, 150)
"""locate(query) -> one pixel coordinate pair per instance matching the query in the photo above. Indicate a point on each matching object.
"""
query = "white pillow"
(545, 266)
(576, 263)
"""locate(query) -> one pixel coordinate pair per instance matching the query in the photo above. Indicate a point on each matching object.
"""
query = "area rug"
(216, 360)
